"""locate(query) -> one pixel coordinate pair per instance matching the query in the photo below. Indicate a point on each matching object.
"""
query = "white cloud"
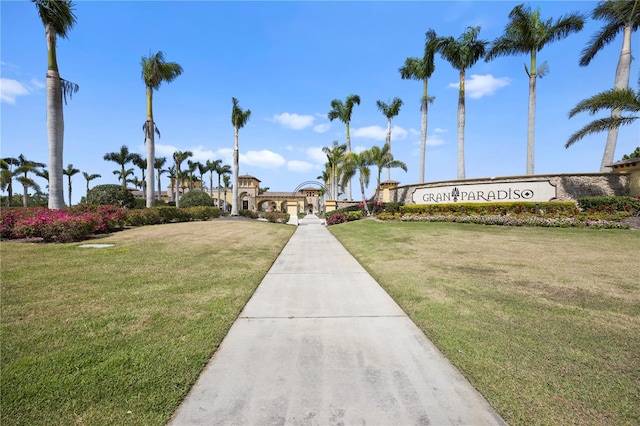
(379, 133)
(321, 128)
(317, 155)
(264, 159)
(37, 83)
(439, 130)
(294, 121)
(435, 140)
(370, 132)
(482, 85)
(299, 166)
(10, 89)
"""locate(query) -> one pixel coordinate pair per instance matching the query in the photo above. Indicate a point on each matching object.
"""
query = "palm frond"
(600, 125)
(622, 99)
(58, 14)
(68, 88)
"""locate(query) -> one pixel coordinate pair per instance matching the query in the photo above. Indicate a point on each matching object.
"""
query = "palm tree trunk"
(159, 187)
(218, 192)
(423, 133)
(150, 142)
(234, 190)
(461, 120)
(364, 197)
(25, 195)
(69, 191)
(621, 82)
(349, 197)
(389, 143)
(55, 130)
(531, 123)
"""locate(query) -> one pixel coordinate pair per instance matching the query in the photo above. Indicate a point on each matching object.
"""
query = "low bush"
(355, 215)
(610, 204)
(114, 195)
(520, 221)
(277, 217)
(337, 218)
(248, 213)
(196, 198)
(203, 212)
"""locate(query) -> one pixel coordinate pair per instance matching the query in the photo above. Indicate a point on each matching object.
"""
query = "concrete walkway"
(320, 343)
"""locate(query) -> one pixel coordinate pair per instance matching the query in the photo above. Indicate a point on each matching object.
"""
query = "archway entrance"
(314, 194)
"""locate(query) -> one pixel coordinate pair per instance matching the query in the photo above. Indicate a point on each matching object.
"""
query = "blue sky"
(286, 61)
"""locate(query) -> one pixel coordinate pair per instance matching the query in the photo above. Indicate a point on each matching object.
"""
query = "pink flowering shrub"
(65, 225)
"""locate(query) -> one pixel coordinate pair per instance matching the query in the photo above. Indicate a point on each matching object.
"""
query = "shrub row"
(610, 204)
(521, 221)
(79, 222)
(557, 208)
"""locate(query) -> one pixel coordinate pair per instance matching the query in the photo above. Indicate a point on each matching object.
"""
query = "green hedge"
(558, 208)
(610, 204)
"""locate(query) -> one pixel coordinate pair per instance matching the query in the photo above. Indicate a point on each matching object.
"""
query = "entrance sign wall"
(540, 191)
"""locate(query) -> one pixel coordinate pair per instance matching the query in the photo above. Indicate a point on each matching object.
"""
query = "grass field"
(544, 322)
(118, 335)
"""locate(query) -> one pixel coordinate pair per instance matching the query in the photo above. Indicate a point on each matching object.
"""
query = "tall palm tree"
(22, 172)
(58, 18)
(8, 173)
(89, 178)
(238, 118)
(422, 69)
(211, 166)
(527, 33)
(69, 172)
(221, 170)
(158, 164)
(179, 157)
(141, 162)
(155, 70)
(623, 100)
(618, 15)
(358, 163)
(383, 158)
(462, 53)
(335, 156)
(226, 179)
(122, 158)
(389, 110)
(193, 166)
(173, 179)
(342, 111)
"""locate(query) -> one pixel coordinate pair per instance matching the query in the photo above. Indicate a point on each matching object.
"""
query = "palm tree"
(389, 110)
(192, 167)
(462, 53)
(155, 70)
(158, 164)
(619, 15)
(383, 158)
(335, 156)
(121, 158)
(141, 163)
(69, 172)
(173, 179)
(22, 171)
(342, 111)
(623, 100)
(89, 178)
(358, 163)
(7, 177)
(527, 33)
(221, 170)
(211, 166)
(421, 69)
(238, 118)
(226, 179)
(179, 158)
(58, 18)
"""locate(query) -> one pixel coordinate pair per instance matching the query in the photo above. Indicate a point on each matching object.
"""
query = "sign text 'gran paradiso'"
(532, 191)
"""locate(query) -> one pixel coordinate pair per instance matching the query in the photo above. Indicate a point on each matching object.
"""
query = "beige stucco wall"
(569, 187)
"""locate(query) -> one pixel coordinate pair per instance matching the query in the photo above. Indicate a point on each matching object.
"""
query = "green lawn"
(118, 335)
(544, 322)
